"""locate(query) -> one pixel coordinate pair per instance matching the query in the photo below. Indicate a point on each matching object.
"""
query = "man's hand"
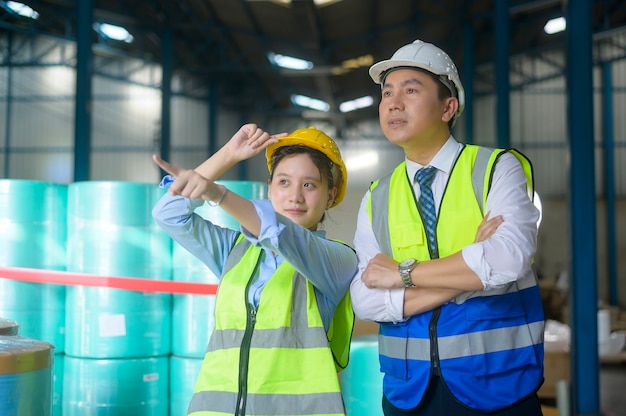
(382, 273)
(487, 227)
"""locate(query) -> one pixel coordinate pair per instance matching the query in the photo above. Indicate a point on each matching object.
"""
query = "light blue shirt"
(328, 265)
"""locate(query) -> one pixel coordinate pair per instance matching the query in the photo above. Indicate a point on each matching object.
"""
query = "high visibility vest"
(486, 345)
(274, 360)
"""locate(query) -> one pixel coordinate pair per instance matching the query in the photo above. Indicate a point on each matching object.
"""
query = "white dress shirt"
(503, 258)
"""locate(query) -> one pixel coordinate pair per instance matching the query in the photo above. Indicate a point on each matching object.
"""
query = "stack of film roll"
(117, 341)
(33, 224)
(193, 315)
(25, 376)
(362, 380)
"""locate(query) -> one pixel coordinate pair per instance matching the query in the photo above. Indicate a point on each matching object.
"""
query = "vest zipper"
(244, 360)
(434, 345)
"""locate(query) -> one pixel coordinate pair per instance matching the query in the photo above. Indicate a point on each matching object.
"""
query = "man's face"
(410, 109)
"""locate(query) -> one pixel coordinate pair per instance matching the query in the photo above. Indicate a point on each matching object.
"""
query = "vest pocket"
(408, 236)
(499, 336)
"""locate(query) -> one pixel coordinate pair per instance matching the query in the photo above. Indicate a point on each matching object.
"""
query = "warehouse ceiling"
(225, 43)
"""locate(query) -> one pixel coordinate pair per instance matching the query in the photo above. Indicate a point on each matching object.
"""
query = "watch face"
(407, 263)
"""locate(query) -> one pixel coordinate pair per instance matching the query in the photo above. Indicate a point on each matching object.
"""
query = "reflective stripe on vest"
(280, 364)
(485, 341)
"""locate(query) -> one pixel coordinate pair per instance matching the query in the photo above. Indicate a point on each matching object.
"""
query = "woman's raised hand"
(250, 140)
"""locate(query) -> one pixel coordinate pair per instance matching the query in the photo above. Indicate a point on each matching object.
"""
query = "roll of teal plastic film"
(57, 384)
(193, 321)
(113, 202)
(112, 323)
(25, 376)
(121, 387)
(111, 232)
(193, 315)
(183, 375)
(33, 228)
(362, 380)
(246, 189)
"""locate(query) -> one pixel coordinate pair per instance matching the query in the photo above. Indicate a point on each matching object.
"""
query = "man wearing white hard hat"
(446, 244)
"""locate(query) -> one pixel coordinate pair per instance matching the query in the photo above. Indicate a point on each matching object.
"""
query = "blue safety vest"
(487, 345)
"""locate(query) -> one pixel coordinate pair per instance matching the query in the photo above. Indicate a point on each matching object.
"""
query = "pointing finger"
(167, 167)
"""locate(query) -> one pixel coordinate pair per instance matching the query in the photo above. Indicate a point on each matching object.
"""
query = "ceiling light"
(555, 25)
(21, 9)
(289, 62)
(358, 62)
(113, 32)
(318, 3)
(322, 3)
(309, 102)
(356, 104)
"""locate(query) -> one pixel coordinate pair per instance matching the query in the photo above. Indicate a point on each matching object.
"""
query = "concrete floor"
(613, 389)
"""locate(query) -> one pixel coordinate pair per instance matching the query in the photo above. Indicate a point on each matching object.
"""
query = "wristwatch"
(405, 268)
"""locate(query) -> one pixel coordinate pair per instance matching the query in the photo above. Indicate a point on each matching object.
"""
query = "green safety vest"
(276, 360)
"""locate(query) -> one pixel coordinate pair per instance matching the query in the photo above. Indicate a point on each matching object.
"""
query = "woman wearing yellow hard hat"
(283, 317)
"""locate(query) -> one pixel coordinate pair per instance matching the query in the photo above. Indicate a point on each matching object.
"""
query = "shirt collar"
(443, 160)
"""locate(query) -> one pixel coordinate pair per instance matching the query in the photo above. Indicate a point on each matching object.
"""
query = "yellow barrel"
(25, 376)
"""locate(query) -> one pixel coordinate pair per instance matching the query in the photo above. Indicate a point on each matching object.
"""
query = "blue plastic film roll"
(25, 376)
(362, 380)
(33, 228)
(111, 232)
(193, 321)
(183, 375)
(246, 189)
(112, 323)
(113, 202)
(57, 384)
(134, 386)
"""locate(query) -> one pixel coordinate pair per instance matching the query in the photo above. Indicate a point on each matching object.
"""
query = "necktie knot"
(424, 176)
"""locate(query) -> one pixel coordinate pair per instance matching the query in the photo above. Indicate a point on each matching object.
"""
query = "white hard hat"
(428, 57)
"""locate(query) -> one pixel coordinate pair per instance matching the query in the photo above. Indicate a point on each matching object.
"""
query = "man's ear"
(451, 105)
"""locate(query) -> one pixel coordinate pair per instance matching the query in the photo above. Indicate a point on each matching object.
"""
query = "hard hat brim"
(377, 70)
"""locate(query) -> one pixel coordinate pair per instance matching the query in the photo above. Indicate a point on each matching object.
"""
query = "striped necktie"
(426, 206)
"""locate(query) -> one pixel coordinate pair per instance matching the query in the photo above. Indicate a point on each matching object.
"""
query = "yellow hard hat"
(318, 140)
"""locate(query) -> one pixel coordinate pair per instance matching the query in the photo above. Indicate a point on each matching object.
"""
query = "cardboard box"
(556, 367)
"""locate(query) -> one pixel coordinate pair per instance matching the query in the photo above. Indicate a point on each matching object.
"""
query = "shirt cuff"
(167, 181)
(270, 226)
(395, 305)
(474, 256)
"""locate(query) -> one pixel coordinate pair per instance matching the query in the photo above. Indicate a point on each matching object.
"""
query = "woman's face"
(299, 192)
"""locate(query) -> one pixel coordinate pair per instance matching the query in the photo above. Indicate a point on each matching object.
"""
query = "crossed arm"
(451, 274)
